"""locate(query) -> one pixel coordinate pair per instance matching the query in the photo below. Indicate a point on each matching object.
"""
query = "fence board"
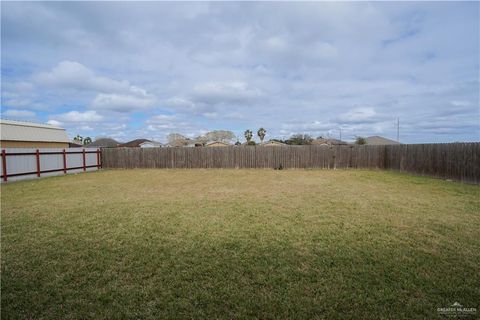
(458, 161)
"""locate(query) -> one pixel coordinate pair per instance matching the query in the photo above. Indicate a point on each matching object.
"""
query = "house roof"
(104, 143)
(329, 141)
(29, 131)
(73, 144)
(178, 143)
(377, 140)
(134, 143)
(217, 142)
(154, 143)
(272, 142)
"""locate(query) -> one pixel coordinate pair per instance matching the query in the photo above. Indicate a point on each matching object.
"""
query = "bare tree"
(176, 139)
(220, 135)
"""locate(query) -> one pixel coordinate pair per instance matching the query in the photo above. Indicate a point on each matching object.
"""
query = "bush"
(360, 140)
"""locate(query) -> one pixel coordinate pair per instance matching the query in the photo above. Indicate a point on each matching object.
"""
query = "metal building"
(20, 134)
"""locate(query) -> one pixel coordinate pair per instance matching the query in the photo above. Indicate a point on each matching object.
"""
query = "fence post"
(37, 154)
(64, 161)
(4, 165)
(98, 159)
(84, 161)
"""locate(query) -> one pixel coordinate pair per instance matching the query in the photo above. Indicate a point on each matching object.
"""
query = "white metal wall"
(28, 163)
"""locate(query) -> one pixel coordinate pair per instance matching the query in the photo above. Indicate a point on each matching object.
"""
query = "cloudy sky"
(129, 70)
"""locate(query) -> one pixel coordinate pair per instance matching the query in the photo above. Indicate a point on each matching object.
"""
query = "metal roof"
(11, 130)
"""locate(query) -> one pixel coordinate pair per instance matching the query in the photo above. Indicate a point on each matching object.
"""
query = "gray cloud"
(303, 67)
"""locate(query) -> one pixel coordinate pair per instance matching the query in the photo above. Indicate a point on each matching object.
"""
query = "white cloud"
(225, 92)
(230, 66)
(111, 94)
(179, 103)
(20, 114)
(460, 103)
(77, 117)
(211, 115)
(55, 123)
(358, 115)
(161, 118)
(75, 76)
(121, 102)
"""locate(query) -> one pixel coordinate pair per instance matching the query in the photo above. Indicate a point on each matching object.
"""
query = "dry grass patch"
(238, 244)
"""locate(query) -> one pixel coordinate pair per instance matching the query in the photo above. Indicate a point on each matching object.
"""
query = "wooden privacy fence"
(26, 163)
(459, 161)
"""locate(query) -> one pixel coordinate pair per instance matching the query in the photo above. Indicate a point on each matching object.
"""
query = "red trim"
(4, 165)
(84, 161)
(38, 162)
(64, 161)
(45, 171)
(34, 153)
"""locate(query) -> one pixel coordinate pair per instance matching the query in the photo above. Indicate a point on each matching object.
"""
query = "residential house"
(75, 144)
(272, 143)
(141, 143)
(217, 144)
(329, 142)
(103, 143)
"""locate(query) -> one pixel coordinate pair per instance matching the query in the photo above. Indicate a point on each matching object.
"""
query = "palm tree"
(248, 135)
(87, 141)
(261, 134)
(78, 139)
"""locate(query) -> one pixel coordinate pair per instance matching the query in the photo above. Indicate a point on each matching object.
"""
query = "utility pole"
(398, 129)
(340, 133)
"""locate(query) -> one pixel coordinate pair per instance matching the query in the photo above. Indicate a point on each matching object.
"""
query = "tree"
(78, 139)
(176, 139)
(248, 135)
(299, 139)
(360, 140)
(220, 135)
(201, 140)
(261, 134)
(87, 141)
(172, 137)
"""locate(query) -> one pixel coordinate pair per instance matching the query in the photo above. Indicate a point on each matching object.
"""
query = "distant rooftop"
(328, 141)
(104, 143)
(134, 143)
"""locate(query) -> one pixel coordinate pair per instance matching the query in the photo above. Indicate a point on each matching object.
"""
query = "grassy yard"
(208, 244)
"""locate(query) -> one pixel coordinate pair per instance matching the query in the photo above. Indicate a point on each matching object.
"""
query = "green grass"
(207, 244)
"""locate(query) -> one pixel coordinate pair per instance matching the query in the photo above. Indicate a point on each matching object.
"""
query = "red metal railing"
(38, 154)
